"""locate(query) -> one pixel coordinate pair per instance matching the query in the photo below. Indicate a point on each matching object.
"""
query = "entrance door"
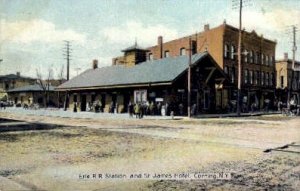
(126, 101)
(206, 99)
(83, 102)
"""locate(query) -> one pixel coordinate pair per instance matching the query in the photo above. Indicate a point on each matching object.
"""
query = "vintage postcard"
(149, 95)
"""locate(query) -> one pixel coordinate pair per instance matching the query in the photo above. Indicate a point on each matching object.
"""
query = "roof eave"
(117, 86)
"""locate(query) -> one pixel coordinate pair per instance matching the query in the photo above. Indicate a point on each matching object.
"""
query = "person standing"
(137, 110)
(130, 109)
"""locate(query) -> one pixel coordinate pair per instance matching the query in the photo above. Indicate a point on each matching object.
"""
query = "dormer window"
(182, 52)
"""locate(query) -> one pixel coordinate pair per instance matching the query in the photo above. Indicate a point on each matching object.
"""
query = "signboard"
(159, 99)
(140, 96)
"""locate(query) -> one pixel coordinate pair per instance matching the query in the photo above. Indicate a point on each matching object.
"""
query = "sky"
(32, 32)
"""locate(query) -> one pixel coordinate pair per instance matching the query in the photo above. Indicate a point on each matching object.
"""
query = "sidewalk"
(92, 115)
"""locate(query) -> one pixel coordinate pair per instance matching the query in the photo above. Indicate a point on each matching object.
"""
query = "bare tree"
(61, 75)
(45, 84)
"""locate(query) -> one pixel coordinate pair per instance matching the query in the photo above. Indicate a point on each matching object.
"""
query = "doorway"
(83, 103)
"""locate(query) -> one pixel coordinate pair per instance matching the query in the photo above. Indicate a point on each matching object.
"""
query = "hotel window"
(271, 60)
(251, 56)
(226, 51)
(267, 78)
(150, 56)
(167, 54)
(251, 77)
(232, 74)
(262, 59)
(256, 58)
(262, 80)
(267, 60)
(182, 52)
(272, 79)
(232, 54)
(246, 76)
(226, 69)
(246, 56)
(257, 78)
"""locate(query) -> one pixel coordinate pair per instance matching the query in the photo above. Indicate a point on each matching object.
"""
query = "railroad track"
(288, 148)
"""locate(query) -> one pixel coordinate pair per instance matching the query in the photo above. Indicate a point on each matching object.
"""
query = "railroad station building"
(162, 81)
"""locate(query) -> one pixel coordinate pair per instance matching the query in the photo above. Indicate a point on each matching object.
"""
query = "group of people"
(146, 108)
(153, 108)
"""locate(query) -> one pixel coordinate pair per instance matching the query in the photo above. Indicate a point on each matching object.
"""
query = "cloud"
(37, 30)
(146, 34)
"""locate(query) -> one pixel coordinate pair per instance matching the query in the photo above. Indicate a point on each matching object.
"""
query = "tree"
(60, 76)
(45, 84)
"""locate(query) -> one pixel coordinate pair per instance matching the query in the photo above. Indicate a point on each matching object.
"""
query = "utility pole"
(293, 66)
(67, 52)
(239, 61)
(239, 4)
(189, 77)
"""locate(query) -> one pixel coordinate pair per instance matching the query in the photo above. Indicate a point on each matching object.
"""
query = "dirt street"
(56, 153)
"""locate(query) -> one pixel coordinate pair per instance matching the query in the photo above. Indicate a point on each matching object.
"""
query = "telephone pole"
(294, 28)
(239, 61)
(67, 52)
(189, 77)
(239, 4)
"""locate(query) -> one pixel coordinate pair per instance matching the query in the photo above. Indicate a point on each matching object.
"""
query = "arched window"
(226, 51)
(262, 80)
(257, 78)
(232, 74)
(267, 60)
(271, 60)
(246, 76)
(232, 55)
(226, 69)
(246, 56)
(251, 56)
(271, 79)
(182, 52)
(256, 57)
(262, 59)
(251, 77)
(267, 78)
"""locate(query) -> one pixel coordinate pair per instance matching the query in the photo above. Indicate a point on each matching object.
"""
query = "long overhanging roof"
(156, 72)
(30, 88)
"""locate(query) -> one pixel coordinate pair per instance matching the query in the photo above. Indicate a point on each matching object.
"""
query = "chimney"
(285, 56)
(18, 74)
(160, 46)
(95, 64)
(206, 27)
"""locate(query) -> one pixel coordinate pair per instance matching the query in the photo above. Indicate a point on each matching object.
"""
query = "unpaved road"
(52, 157)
